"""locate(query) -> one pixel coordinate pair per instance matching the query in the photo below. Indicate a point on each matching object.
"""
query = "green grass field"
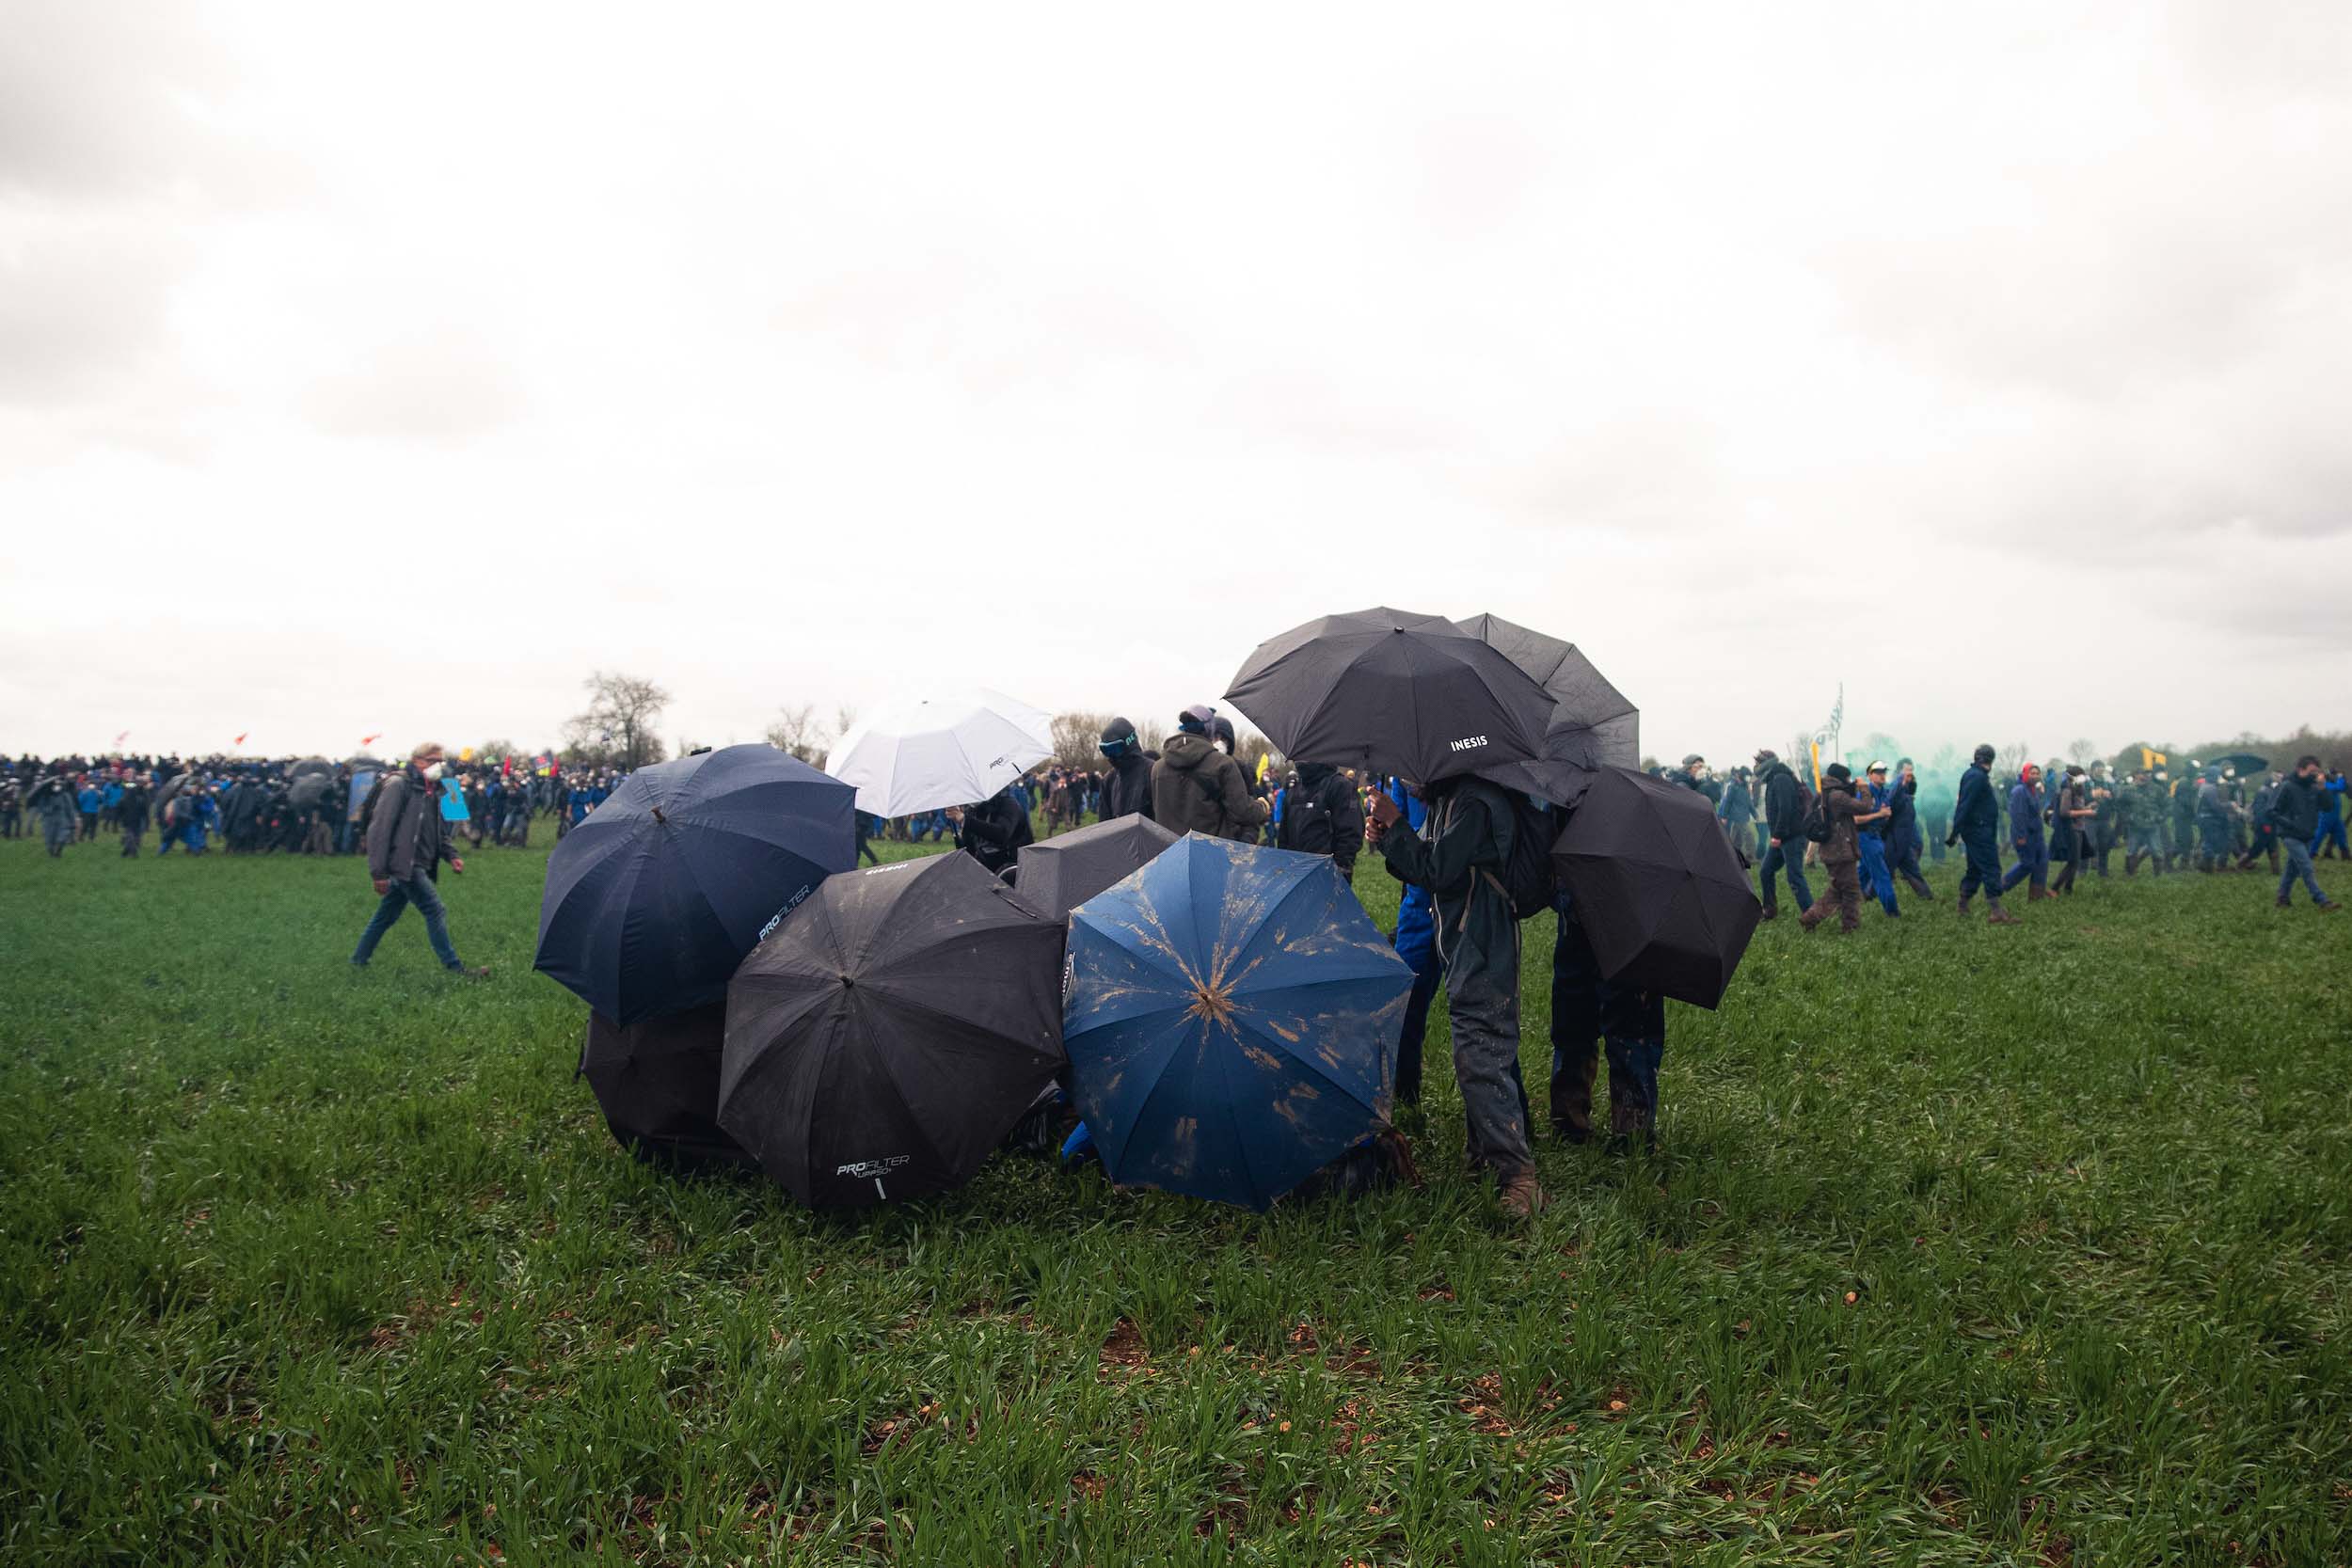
(1966, 1246)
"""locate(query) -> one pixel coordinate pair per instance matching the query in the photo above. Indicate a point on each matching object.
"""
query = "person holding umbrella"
(1461, 864)
(994, 832)
(405, 841)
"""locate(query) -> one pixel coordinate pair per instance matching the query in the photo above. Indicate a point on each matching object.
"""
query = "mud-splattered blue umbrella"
(1232, 1016)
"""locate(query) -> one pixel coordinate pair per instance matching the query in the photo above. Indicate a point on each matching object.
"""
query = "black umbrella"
(652, 902)
(1061, 874)
(308, 790)
(1591, 724)
(1656, 884)
(2245, 762)
(659, 1084)
(308, 766)
(892, 1032)
(1393, 692)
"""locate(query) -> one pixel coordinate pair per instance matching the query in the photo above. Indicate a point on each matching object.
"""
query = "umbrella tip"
(658, 817)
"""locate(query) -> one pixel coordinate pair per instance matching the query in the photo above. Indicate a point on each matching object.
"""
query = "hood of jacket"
(1187, 752)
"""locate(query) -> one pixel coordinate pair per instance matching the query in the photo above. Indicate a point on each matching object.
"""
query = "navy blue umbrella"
(655, 898)
(1232, 1016)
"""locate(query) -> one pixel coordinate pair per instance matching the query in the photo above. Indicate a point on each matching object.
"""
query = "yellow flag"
(465, 753)
(1263, 758)
(2152, 759)
(1817, 768)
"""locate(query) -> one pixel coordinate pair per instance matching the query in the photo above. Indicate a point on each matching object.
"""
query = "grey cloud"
(82, 306)
(439, 385)
(96, 100)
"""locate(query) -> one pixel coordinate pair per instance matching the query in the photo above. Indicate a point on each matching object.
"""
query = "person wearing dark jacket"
(1842, 806)
(1784, 826)
(59, 810)
(2025, 836)
(131, 814)
(1976, 824)
(1322, 815)
(1197, 788)
(406, 846)
(1127, 788)
(1461, 863)
(2070, 827)
(2294, 823)
(993, 831)
(1903, 838)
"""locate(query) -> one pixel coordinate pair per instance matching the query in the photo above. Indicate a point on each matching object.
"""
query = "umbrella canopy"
(1393, 692)
(951, 750)
(891, 1033)
(1061, 874)
(363, 760)
(1657, 886)
(308, 790)
(652, 900)
(1591, 724)
(658, 1082)
(2245, 762)
(172, 787)
(1233, 1020)
(308, 766)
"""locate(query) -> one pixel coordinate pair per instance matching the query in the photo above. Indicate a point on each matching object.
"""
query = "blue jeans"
(398, 896)
(2033, 859)
(1876, 879)
(2298, 868)
(1777, 859)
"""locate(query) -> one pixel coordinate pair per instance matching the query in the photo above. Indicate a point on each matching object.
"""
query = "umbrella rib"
(1292, 1052)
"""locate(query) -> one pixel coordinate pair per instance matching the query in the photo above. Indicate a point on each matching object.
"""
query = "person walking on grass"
(1976, 823)
(406, 842)
(2328, 843)
(1783, 834)
(2025, 836)
(1842, 808)
(131, 814)
(2070, 813)
(2294, 822)
(53, 801)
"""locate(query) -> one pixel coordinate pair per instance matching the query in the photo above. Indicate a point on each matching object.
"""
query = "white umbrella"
(954, 749)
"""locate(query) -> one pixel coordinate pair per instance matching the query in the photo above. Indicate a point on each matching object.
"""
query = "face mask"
(432, 773)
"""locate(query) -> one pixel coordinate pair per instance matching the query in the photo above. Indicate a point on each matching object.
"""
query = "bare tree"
(2012, 760)
(623, 712)
(496, 750)
(1077, 737)
(797, 734)
(1153, 734)
(843, 720)
(2081, 749)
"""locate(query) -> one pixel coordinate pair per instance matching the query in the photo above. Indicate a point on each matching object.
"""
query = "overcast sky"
(369, 372)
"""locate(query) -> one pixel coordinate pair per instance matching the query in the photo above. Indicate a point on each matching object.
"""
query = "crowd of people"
(1450, 843)
(284, 805)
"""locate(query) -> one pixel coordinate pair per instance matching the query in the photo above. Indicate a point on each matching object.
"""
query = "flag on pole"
(370, 739)
(1817, 768)
(2152, 759)
(241, 738)
(123, 736)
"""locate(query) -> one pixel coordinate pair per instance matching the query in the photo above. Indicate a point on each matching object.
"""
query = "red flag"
(123, 736)
(370, 739)
(241, 738)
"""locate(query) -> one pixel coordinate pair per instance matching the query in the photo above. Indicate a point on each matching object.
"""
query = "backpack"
(1528, 879)
(1814, 819)
(367, 807)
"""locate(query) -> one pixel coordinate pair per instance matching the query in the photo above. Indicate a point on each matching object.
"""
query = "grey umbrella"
(1592, 723)
(1061, 874)
(1391, 691)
